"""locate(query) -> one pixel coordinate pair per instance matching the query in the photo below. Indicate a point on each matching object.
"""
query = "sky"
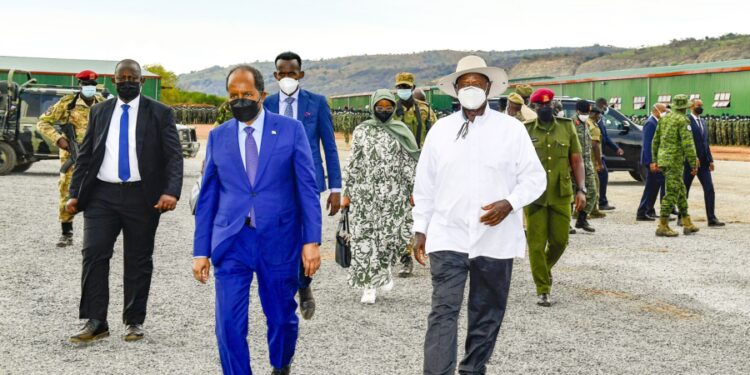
(192, 35)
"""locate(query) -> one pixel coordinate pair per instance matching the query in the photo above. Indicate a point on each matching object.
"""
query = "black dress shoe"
(93, 330)
(582, 223)
(306, 303)
(606, 207)
(715, 223)
(134, 332)
(544, 300)
(645, 218)
(571, 230)
(284, 371)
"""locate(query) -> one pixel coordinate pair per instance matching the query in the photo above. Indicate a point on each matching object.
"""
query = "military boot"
(596, 214)
(687, 226)
(582, 223)
(663, 229)
(65, 240)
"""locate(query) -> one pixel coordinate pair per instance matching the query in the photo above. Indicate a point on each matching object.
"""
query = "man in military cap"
(525, 92)
(71, 113)
(672, 146)
(548, 218)
(596, 153)
(515, 103)
(580, 121)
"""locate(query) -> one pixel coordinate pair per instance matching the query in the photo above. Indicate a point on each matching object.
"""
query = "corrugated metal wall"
(151, 88)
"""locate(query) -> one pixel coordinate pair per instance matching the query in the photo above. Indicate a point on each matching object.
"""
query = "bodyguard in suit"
(257, 213)
(654, 180)
(129, 171)
(700, 138)
(606, 141)
(312, 111)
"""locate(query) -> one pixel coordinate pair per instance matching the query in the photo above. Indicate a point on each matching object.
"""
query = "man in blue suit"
(312, 110)
(703, 149)
(606, 141)
(654, 181)
(258, 213)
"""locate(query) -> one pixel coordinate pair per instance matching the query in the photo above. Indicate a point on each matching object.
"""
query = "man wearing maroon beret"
(71, 111)
(548, 218)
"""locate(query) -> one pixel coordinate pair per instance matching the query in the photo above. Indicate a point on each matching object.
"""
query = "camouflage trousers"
(592, 192)
(63, 185)
(675, 191)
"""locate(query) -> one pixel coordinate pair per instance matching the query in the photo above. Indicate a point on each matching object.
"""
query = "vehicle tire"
(20, 168)
(7, 158)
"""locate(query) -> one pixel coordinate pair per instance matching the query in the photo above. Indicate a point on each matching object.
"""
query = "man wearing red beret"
(548, 218)
(71, 111)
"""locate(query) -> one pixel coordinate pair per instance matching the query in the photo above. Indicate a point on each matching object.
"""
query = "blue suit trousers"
(277, 285)
(654, 186)
(709, 196)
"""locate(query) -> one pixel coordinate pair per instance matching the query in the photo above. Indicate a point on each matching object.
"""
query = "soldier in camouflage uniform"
(74, 110)
(583, 109)
(672, 146)
(223, 114)
(596, 157)
(378, 180)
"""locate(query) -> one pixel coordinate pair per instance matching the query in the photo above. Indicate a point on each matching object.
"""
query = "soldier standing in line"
(584, 139)
(672, 146)
(596, 153)
(71, 111)
(548, 218)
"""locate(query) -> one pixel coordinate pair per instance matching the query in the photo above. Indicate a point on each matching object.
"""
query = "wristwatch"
(582, 190)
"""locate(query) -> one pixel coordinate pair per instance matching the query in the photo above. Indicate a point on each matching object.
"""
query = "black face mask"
(383, 116)
(127, 90)
(244, 110)
(698, 110)
(545, 114)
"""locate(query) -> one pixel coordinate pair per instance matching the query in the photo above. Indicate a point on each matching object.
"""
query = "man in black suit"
(129, 171)
(703, 149)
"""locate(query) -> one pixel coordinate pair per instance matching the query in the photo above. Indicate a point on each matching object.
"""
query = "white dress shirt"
(699, 122)
(457, 177)
(283, 103)
(109, 171)
(257, 134)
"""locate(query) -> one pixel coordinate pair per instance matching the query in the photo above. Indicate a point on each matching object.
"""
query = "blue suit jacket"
(285, 195)
(701, 142)
(649, 129)
(606, 140)
(313, 112)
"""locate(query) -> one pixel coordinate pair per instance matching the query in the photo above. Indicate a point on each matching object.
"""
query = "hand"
(711, 166)
(694, 171)
(201, 266)
(166, 203)
(419, 242)
(311, 258)
(496, 213)
(345, 202)
(71, 206)
(654, 168)
(620, 152)
(411, 200)
(63, 144)
(580, 201)
(599, 167)
(697, 163)
(333, 204)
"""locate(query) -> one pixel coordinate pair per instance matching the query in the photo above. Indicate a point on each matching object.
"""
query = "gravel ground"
(627, 302)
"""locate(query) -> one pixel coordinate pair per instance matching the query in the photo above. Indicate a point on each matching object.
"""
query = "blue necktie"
(251, 163)
(288, 110)
(123, 162)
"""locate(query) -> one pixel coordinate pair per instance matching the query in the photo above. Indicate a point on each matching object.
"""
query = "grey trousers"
(488, 296)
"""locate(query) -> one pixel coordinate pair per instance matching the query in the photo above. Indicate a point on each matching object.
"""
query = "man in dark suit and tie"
(654, 180)
(606, 142)
(258, 213)
(703, 149)
(313, 112)
(129, 171)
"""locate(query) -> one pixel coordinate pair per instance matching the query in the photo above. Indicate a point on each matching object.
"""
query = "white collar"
(133, 103)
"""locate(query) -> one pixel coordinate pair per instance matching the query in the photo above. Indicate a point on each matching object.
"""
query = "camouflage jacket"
(59, 114)
(584, 139)
(673, 142)
(223, 114)
(409, 117)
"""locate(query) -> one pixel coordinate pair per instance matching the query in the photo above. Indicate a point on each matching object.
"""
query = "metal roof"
(660, 71)
(52, 66)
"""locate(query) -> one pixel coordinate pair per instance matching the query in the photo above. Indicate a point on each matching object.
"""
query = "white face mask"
(288, 85)
(583, 118)
(404, 94)
(88, 91)
(662, 114)
(471, 97)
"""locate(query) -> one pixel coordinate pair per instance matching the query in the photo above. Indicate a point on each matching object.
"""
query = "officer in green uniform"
(71, 110)
(416, 114)
(548, 218)
(525, 92)
(671, 148)
(583, 108)
(596, 153)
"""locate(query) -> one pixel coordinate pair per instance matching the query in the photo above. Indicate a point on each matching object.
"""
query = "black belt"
(249, 222)
(122, 184)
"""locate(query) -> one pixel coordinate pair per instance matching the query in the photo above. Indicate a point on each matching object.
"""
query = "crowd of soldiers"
(722, 130)
(188, 114)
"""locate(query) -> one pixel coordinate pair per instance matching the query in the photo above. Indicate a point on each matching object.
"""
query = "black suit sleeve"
(172, 153)
(85, 150)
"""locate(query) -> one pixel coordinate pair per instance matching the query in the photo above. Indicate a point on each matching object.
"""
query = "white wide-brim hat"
(475, 64)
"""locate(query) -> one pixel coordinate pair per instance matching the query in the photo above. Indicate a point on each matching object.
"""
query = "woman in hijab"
(379, 178)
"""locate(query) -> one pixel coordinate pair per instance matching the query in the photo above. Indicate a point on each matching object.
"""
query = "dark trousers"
(709, 196)
(654, 186)
(277, 285)
(603, 179)
(113, 209)
(488, 295)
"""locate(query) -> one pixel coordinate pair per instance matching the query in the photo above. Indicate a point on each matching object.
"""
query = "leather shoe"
(306, 303)
(644, 218)
(544, 300)
(606, 208)
(284, 371)
(716, 223)
(93, 330)
(134, 332)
